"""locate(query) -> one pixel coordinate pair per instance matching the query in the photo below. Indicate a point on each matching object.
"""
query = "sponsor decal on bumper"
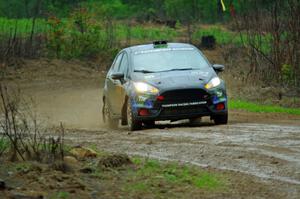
(184, 104)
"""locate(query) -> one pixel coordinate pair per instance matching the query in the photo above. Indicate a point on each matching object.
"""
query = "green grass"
(258, 108)
(22, 166)
(149, 178)
(75, 44)
(172, 174)
(222, 36)
(225, 37)
(4, 144)
(24, 26)
(139, 32)
(64, 39)
(61, 195)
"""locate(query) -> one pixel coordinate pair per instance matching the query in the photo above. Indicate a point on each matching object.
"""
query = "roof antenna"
(160, 42)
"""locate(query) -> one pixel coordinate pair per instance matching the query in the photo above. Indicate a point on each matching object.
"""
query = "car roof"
(145, 47)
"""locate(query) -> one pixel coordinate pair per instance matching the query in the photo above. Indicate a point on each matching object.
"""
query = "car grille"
(186, 95)
(183, 96)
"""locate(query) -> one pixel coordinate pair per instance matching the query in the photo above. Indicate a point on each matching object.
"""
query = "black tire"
(132, 123)
(221, 119)
(195, 121)
(106, 115)
(149, 123)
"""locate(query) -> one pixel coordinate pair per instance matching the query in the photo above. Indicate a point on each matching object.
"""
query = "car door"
(119, 91)
(113, 85)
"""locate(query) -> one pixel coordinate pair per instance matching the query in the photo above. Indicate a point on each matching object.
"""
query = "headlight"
(214, 82)
(142, 87)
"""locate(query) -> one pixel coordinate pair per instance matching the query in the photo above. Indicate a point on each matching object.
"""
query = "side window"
(116, 64)
(124, 65)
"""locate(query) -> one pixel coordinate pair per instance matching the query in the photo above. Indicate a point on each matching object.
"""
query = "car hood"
(176, 79)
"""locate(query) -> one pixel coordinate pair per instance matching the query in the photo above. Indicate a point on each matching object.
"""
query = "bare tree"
(270, 30)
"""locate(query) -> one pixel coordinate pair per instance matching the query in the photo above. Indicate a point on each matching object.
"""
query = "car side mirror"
(117, 76)
(218, 67)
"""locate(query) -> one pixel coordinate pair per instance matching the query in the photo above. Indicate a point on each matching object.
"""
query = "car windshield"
(161, 60)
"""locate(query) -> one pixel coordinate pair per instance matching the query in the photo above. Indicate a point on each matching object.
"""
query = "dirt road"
(269, 152)
(266, 146)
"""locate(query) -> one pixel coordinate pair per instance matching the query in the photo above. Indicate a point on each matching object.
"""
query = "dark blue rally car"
(163, 81)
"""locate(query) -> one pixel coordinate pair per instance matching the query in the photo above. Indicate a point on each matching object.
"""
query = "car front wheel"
(221, 119)
(133, 124)
(107, 118)
(149, 124)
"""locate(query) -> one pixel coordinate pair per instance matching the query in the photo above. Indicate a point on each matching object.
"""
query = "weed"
(222, 36)
(94, 147)
(61, 195)
(4, 145)
(288, 74)
(140, 186)
(80, 35)
(24, 135)
(24, 26)
(252, 107)
(225, 37)
(137, 161)
(206, 180)
(22, 166)
(152, 175)
(98, 173)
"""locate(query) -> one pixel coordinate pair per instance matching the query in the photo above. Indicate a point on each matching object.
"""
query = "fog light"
(160, 98)
(220, 106)
(143, 112)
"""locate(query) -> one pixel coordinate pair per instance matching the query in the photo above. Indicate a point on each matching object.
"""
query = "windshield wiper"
(174, 69)
(177, 69)
(144, 71)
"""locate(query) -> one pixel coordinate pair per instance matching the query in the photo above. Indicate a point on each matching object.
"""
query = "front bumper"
(179, 104)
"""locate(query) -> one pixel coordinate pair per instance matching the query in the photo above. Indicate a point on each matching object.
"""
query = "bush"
(21, 133)
(287, 74)
(78, 36)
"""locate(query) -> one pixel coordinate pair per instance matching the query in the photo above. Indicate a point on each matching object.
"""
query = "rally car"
(163, 81)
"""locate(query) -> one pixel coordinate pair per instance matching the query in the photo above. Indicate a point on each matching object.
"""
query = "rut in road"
(266, 151)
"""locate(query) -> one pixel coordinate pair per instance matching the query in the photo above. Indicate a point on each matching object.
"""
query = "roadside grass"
(225, 37)
(222, 36)
(24, 26)
(63, 39)
(96, 35)
(61, 195)
(144, 178)
(22, 166)
(259, 108)
(145, 33)
(4, 145)
(100, 153)
(149, 178)
(75, 44)
(156, 178)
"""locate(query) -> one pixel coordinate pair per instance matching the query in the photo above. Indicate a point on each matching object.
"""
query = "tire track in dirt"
(222, 147)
